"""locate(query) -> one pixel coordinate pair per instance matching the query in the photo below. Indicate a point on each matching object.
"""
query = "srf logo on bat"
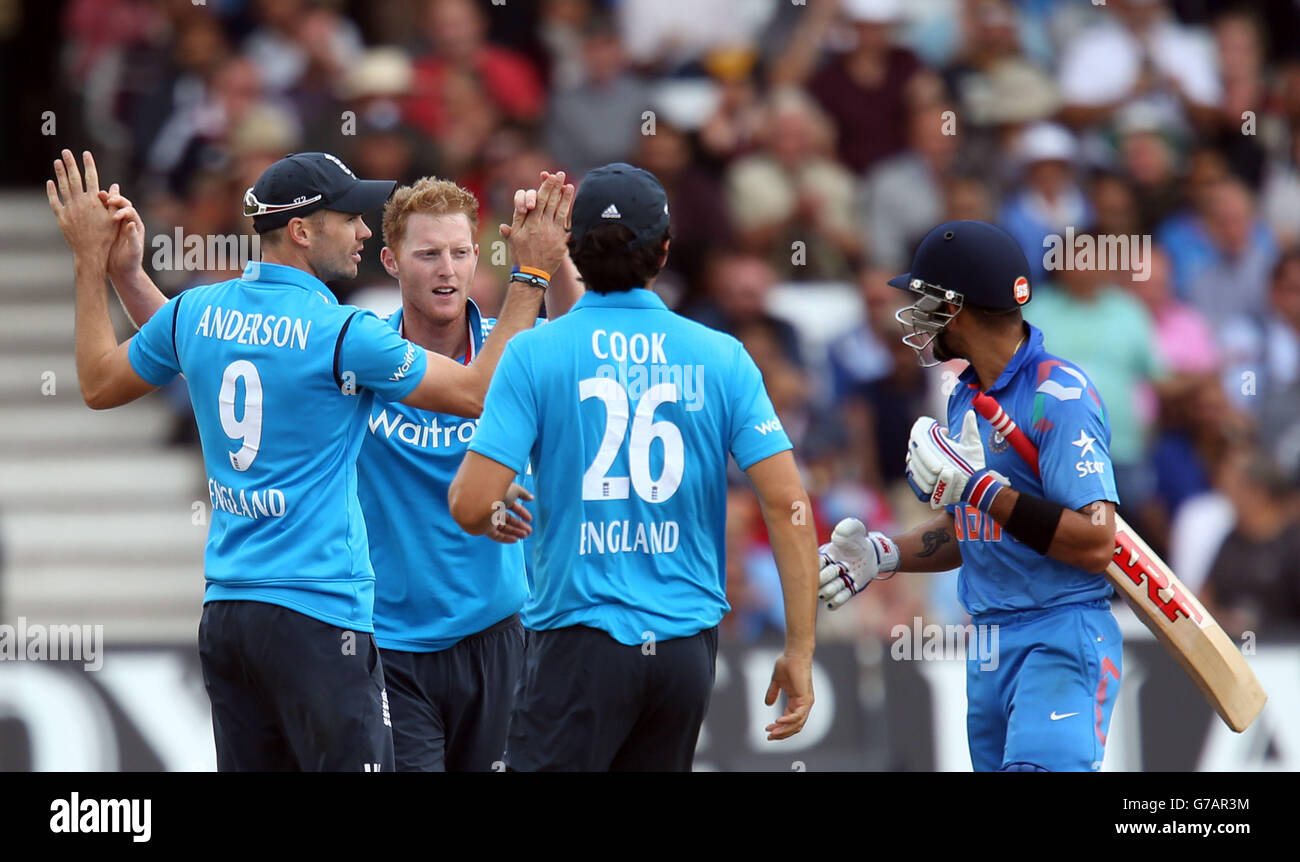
(1137, 566)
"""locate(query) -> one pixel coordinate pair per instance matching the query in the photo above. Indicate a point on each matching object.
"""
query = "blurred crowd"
(805, 149)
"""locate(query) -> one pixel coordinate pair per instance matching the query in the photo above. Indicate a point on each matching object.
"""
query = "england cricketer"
(446, 603)
(1031, 550)
(627, 413)
(281, 378)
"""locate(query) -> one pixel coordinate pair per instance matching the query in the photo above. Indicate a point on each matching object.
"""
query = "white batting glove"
(851, 560)
(943, 471)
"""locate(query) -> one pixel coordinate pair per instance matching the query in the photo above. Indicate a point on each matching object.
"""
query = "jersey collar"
(472, 314)
(637, 297)
(1032, 346)
(261, 272)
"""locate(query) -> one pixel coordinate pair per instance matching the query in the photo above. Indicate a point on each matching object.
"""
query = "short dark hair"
(995, 318)
(275, 236)
(607, 265)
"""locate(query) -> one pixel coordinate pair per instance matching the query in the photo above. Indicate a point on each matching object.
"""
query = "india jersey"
(628, 412)
(435, 584)
(1061, 412)
(281, 378)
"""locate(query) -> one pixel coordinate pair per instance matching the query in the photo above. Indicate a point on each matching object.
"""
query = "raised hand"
(86, 223)
(538, 234)
(126, 256)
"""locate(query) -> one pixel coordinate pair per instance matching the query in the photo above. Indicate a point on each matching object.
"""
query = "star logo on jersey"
(1085, 444)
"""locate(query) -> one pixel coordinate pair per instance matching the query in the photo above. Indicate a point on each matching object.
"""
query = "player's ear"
(299, 231)
(389, 260)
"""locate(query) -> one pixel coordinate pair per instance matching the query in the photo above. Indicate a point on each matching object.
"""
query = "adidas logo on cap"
(611, 211)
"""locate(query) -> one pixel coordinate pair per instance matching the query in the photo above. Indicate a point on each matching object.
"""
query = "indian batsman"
(1031, 550)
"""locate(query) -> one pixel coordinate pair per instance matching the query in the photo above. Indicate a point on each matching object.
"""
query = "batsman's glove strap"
(1034, 521)
(983, 488)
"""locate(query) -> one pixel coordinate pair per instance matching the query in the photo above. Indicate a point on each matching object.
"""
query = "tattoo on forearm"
(932, 540)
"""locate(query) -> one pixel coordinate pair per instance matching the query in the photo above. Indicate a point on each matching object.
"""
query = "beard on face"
(942, 352)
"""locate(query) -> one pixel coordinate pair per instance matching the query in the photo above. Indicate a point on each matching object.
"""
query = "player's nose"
(363, 232)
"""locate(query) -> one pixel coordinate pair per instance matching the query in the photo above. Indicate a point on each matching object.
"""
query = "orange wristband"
(532, 270)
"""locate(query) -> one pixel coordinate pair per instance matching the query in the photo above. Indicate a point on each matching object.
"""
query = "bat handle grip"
(988, 407)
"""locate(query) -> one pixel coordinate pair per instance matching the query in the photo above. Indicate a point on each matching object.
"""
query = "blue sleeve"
(508, 427)
(379, 359)
(152, 352)
(755, 432)
(1074, 454)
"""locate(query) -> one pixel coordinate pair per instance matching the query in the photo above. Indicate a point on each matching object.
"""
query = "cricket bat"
(1163, 603)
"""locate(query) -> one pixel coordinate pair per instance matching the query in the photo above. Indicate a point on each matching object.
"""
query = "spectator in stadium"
(1047, 198)
(1262, 351)
(1183, 234)
(1199, 427)
(1254, 581)
(791, 202)
(996, 86)
(297, 43)
(1138, 53)
(738, 285)
(457, 35)
(699, 217)
(1184, 340)
(600, 120)
(867, 90)
(902, 197)
(1149, 167)
(733, 129)
(1240, 50)
(1240, 253)
(1280, 194)
(862, 355)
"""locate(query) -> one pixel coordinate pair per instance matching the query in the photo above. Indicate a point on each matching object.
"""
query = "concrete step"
(60, 484)
(140, 536)
(68, 427)
(37, 276)
(103, 586)
(30, 376)
(44, 326)
(29, 224)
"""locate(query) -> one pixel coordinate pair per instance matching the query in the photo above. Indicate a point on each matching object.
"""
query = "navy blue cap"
(620, 193)
(300, 184)
(980, 261)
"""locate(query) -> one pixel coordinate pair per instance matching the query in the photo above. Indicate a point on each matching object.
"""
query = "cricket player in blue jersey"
(446, 603)
(1031, 549)
(281, 378)
(627, 413)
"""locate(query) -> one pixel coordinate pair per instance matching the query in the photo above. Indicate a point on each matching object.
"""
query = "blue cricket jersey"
(1060, 411)
(281, 378)
(628, 413)
(435, 583)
